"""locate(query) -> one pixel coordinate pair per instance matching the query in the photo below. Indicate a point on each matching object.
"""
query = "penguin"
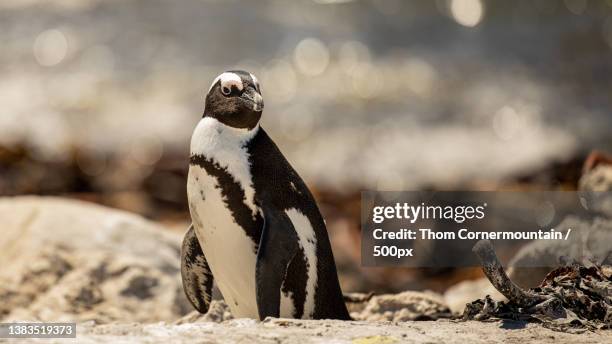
(256, 229)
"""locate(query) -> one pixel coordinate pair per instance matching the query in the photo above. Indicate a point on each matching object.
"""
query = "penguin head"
(234, 99)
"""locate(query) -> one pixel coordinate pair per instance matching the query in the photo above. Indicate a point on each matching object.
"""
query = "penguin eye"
(226, 90)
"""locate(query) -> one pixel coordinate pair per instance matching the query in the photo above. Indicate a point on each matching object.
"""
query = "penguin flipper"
(277, 247)
(195, 272)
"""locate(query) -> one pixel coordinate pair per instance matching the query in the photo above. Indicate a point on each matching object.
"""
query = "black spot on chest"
(233, 196)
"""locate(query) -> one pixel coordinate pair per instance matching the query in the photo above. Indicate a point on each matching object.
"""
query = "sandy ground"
(326, 331)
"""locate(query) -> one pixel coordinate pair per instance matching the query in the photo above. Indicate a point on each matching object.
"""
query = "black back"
(278, 185)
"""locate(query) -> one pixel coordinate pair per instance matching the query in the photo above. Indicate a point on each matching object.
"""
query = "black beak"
(255, 98)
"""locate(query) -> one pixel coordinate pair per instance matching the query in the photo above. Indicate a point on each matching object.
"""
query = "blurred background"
(98, 100)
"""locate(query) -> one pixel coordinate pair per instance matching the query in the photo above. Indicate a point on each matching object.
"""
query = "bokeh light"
(50, 47)
(467, 12)
(311, 57)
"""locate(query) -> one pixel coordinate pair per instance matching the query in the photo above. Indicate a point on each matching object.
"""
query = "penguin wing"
(197, 278)
(277, 247)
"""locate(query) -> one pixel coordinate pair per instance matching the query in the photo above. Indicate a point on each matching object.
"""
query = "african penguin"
(256, 229)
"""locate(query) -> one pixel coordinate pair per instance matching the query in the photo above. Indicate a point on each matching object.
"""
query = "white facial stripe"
(255, 81)
(228, 80)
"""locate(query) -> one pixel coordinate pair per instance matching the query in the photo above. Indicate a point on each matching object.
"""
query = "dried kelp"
(571, 298)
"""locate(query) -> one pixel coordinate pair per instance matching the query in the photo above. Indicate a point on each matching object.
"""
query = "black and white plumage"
(197, 278)
(256, 226)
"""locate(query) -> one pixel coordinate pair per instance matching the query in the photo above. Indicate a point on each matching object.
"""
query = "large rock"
(66, 260)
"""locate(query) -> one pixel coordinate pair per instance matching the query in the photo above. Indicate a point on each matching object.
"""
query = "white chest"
(229, 251)
(226, 147)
